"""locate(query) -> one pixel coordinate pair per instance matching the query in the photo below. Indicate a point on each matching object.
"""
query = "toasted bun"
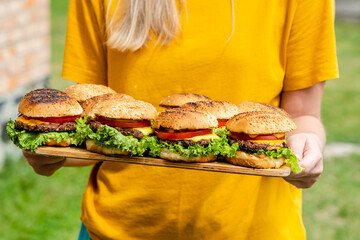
(260, 123)
(220, 109)
(244, 159)
(250, 106)
(166, 154)
(181, 119)
(134, 110)
(63, 143)
(91, 102)
(82, 92)
(176, 100)
(48, 103)
(92, 147)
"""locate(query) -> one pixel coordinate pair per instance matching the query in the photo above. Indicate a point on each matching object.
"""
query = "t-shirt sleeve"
(311, 51)
(85, 49)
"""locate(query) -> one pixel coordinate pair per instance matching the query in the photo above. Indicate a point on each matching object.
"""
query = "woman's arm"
(46, 166)
(308, 140)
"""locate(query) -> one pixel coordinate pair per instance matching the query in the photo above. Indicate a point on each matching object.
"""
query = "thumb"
(297, 143)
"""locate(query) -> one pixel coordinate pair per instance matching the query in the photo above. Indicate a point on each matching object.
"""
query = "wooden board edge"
(217, 166)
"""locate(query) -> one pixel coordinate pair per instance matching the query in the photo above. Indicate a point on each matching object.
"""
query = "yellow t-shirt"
(276, 45)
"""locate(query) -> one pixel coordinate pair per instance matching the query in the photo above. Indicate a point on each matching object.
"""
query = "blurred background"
(32, 36)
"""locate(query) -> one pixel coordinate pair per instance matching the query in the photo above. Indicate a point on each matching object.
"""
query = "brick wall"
(24, 57)
(348, 9)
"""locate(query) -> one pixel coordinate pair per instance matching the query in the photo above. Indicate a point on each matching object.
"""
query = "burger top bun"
(134, 110)
(48, 103)
(249, 106)
(220, 109)
(181, 119)
(91, 102)
(176, 100)
(82, 92)
(260, 123)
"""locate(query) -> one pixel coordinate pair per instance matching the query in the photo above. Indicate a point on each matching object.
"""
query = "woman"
(276, 52)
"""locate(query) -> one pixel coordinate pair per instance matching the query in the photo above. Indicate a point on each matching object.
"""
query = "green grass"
(341, 101)
(331, 208)
(36, 207)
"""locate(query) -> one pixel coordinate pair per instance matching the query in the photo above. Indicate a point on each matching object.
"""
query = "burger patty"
(252, 147)
(50, 127)
(124, 131)
(187, 143)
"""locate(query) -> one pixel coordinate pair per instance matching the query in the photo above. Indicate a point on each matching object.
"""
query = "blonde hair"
(134, 20)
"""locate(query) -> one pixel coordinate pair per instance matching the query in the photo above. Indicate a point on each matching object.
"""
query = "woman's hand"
(308, 148)
(44, 165)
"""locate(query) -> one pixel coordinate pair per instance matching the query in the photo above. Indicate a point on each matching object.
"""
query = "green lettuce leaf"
(221, 132)
(82, 130)
(216, 146)
(29, 140)
(230, 151)
(110, 137)
(287, 153)
(222, 146)
(32, 140)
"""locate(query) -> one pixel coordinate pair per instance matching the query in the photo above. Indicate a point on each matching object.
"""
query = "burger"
(90, 103)
(82, 92)
(176, 100)
(47, 117)
(259, 140)
(187, 135)
(220, 109)
(121, 128)
(250, 106)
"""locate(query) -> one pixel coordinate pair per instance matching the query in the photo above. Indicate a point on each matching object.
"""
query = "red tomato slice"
(222, 123)
(124, 123)
(58, 119)
(242, 136)
(182, 135)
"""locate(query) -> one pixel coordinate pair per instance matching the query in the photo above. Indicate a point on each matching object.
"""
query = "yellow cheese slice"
(145, 130)
(203, 137)
(274, 144)
(268, 141)
(30, 121)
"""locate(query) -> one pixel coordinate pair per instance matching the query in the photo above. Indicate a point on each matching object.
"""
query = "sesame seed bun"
(92, 147)
(248, 160)
(115, 109)
(172, 156)
(250, 106)
(260, 123)
(91, 102)
(182, 119)
(48, 103)
(220, 109)
(176, 100)
(82, 92)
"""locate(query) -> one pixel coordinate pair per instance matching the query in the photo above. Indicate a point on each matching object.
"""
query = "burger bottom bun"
(63, 143)
(92, 147)
(249, 160)
(166, 154)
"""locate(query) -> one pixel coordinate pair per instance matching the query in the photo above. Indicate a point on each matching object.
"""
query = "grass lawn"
(341, 101)
(36, 207)
(331, 208)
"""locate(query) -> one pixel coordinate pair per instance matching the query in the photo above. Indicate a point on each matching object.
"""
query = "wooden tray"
(218, 166)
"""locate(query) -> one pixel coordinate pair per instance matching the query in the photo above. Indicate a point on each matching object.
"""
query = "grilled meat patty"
(248, 146)
(187, 143)
(49, 127)
(94, 125)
